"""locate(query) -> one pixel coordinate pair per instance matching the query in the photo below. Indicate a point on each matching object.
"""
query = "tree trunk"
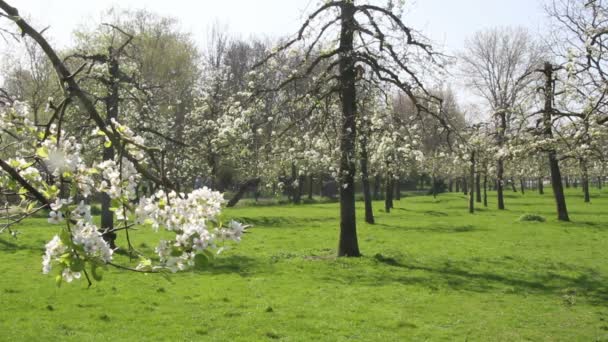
(485, 190)
(296, 190)
(585, 180)
(451, 186)
(348, 244)
(311, 184)
(522, 186)
(513, 185)
(465, 186)
(242, 190)
(499, 184)
(388, 197)
(500, 166)
(367, 195)
(458, 185)
(112, 100)
(478, 187)
(556, 177)
(377, 187)
(599, 183)
(472, 180)
(397, 184)
(541, 186)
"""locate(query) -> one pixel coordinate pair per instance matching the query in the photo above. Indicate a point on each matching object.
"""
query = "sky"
(447, 23)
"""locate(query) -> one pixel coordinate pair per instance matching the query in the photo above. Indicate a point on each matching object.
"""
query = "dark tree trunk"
(556, 177)
(513, 185)
(367, 195)
(457, 185)
(296, 191)
(112, 100)
(311, 184)
(599, 183)
(434, 186)
(388, 197)
(500, 166)
(451, 186)
(522, 186)
(465, 186)
(541, 186)
(348, 244)
(585, 180)
(478, 187)
(377, 187)
(397, 184)
(567, 182)
(485, 190)
(499, 184)
(243, 188)
(472, 180)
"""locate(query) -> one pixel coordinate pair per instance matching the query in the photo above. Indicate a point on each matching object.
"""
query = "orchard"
(351, 178)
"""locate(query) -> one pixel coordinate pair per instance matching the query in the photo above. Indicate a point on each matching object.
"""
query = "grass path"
(430, 271)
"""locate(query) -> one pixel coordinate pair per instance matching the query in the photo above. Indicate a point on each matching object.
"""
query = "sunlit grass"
(430, 271)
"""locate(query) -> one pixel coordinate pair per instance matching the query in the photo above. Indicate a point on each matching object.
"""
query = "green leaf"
(58, 280)
(42, 152)
(96, 272)
(77, 265)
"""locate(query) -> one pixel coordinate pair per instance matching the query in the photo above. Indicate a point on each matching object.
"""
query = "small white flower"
(68, 275)
(55, 217)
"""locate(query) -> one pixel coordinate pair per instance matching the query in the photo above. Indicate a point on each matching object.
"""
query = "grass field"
(430, 272)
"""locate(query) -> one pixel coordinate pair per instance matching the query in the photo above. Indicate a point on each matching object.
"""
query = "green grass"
(430, 271)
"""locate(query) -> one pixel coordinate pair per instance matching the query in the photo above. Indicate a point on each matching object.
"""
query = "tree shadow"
(588, 283)
(11, 247)
(282, 221)
(236, 264)
(437, 229)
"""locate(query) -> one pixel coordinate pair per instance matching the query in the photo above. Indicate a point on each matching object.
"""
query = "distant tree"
(499, 66)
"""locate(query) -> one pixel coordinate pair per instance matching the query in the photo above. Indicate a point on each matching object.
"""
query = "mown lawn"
(430, 272)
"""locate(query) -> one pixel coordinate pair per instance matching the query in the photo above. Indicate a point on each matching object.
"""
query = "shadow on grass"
(438, 229)
(235, 264)
(10, 247)
(589, 284)
(283, 222)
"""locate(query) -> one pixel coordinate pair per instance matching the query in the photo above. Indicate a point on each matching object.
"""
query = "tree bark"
(111, 101)
(377, 187)
(556, 177)
(478, 187)
(311, 184)
(472, 179)
(485, 190)
(388, 199)
(242, 190)
(367, 195)
(348, 244)
(499, 184)
(397, 184)
(541, 186)
(585, 180)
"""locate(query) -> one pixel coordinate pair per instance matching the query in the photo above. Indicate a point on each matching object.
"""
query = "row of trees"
(356, 96)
